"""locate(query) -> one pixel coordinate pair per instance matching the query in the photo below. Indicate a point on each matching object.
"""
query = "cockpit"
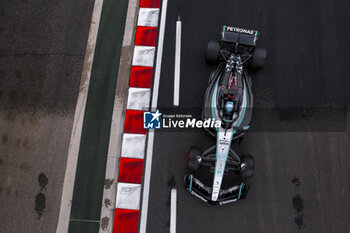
(229, 103)
(230, 93)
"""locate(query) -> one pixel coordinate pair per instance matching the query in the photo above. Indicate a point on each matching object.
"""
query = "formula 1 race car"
(217, 174)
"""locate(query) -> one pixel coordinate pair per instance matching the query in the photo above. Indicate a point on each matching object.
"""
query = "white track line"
(149, 153)
(173, 200)
(69, 178)
(177, 63)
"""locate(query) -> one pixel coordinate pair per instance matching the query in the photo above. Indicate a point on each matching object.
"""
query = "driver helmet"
(229, 106)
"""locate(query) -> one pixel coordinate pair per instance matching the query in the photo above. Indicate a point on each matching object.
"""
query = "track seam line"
(84, 220)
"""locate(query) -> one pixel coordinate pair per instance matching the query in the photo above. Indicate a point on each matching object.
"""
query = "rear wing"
(239, 35)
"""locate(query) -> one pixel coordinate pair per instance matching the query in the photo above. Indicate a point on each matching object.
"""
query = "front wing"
(198, 189)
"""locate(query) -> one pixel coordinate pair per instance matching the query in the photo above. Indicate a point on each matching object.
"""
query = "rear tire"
(258, 59)
(248, 168)
(213, 49)
(192, 161)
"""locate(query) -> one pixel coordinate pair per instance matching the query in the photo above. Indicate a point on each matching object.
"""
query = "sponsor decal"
(240, 30)
(224, 141)
(228, 201)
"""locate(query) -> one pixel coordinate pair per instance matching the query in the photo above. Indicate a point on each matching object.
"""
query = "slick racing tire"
(212, 53)
(192, 160)
(258, 59)
(248, 166)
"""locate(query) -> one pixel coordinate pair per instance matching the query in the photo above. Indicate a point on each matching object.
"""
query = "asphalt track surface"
(301, 177)
(42, 48)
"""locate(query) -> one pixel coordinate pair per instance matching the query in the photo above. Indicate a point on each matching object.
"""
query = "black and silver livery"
(217, 175)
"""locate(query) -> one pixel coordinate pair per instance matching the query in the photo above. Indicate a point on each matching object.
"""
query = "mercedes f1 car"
(217, 175)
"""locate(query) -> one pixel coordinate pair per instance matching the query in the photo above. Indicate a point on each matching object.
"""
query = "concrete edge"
(69, 178)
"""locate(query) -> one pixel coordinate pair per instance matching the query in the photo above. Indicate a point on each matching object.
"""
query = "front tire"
(192, 161)
(212, 54)
(247, 166)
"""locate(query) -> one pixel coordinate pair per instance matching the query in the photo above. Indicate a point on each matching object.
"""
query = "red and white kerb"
(128, 198)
